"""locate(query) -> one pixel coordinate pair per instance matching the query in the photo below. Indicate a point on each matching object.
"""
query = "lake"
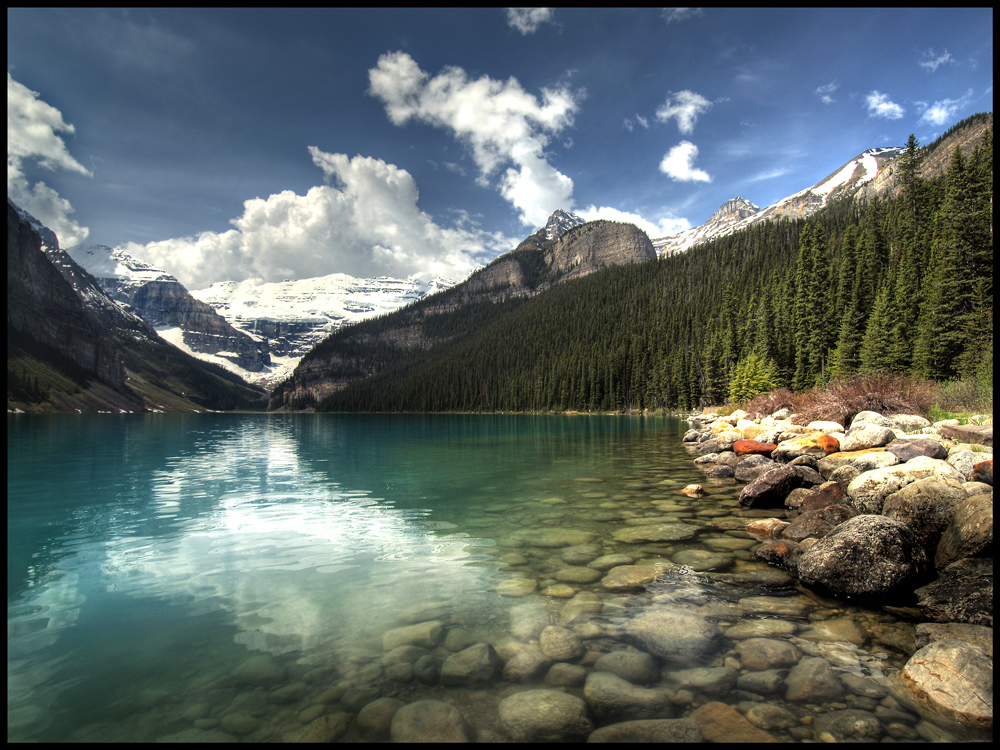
(239, 576)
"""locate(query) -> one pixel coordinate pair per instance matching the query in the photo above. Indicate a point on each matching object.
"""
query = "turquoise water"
(150, 556)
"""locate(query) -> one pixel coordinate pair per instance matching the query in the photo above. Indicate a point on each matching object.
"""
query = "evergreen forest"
(895, 285)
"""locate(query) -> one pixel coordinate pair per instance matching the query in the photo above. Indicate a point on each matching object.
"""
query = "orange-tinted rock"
(750, 447)
(723, 723)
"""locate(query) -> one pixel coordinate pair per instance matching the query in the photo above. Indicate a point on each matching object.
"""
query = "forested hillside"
(900, 285)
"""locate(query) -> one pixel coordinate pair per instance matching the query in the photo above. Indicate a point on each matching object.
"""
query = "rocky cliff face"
(596, 245)
(43, 305)
(163, 302)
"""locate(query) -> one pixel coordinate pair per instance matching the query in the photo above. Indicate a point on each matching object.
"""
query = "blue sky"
(270, 144)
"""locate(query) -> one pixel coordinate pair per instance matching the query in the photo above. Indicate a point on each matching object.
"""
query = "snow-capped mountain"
(561, 222)
(739, 213)
(163, 302)
(294, 316)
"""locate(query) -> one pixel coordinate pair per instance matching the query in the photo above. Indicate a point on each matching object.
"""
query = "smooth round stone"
(514, 587)
(580, 554)
(840, 629)
(527, 621)
(562, 674)
(774, 606)
(554, 537)
(770, 716)
(700, 560)
(428, 721)
(559, 591)
(583, 604)
(761, 629)
(312, 713)
(759, 654)
(661, 532)
(239, 723)
(289, 693)
(513, 558)
(259, 670)
(375, 719)
(606, 562)
(578, 574)
(635, 666)
(560, 644)
(728, 543)
(630, 577)
(545, 716)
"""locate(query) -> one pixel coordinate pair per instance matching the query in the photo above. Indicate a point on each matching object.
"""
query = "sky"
(281, 144)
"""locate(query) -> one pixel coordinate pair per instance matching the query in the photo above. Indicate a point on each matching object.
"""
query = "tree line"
(902, 284)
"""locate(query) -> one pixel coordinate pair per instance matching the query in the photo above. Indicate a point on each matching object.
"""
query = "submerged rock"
(674, 635)
(953, 680)
(429, 721)
(650, 730)
(612, 699)
(545, 716)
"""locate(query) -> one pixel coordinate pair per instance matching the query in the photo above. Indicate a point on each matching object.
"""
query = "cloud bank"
(33, 129)
(498, 121)
(366, 223)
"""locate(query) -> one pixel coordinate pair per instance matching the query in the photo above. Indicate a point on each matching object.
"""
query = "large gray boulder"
(429, 721)
(770, 489)
(970, 532)
(962, 593)
(675, 635)
(866, 555)
(545, 716)
(927, 506)
(612, 699)
(869, 490)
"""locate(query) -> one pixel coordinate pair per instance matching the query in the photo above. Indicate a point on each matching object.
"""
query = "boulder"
(527, 621)
(471, 666)
(560, 644)
(866, 435)
(759, 654)
(813, 680)
(825, 426)
(965, 461)
(818, 444)
(751, 466)
(953, 680)
(429, 721)
(763, 528)
(826, 494)
(908, 423)
(962, 593)
(817, 523)
(979, 636)
(752, 447)
(612, 699)
(847, 726)
(260, 670)
(871, 417)
(375, 719)
(771, 488)
(650, 730)
(781, 552)
(927, 506)
(970, 532)
(716, 681)
(720, 722)
(635, 666)
(660, 532)
(675, 635)
(866, 555)
(527, 666)
(869, 490)
(928, 447)
(423, 634)
(545, 716)
(983, 472)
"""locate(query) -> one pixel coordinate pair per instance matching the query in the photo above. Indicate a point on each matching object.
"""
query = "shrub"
(767, 403)
(885, 393)
(967, 396)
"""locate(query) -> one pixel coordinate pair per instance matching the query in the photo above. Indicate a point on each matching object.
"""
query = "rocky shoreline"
(892, 511)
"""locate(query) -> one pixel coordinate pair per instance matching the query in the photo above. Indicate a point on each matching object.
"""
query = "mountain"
(738, 213)
(565, 248)
(870, 174)
(163, 302)
(291, 317)
(70, 347)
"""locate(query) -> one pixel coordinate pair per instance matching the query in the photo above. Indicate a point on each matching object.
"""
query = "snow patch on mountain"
(105, 262)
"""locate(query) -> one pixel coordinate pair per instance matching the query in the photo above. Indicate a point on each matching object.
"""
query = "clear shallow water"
(149, 556)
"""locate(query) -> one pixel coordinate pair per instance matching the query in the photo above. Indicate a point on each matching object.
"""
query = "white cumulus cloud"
(33, 128)
(678, 164)
(366, 223)
(499, 122)
(942, 111)
(527, 20)
(684, 106)
(879, 105)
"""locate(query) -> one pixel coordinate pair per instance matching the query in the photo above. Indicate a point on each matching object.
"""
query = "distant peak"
(561, 222)
(735, 208)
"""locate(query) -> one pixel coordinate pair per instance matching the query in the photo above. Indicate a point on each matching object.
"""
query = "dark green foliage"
(898, 285)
